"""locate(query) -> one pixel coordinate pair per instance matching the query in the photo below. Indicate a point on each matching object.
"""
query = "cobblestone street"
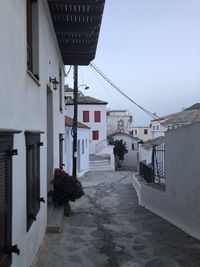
(108, 228)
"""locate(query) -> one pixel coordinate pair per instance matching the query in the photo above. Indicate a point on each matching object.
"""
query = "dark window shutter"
(33, 176)
(5, 199)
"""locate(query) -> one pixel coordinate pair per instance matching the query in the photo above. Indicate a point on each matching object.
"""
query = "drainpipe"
(74, 172)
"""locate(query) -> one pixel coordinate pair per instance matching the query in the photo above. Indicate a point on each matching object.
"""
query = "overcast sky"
(151, 50)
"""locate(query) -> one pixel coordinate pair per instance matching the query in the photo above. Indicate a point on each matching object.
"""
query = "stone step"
(99, 162)
(54, 221)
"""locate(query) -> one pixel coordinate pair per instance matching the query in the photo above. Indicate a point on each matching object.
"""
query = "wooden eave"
(77, 25)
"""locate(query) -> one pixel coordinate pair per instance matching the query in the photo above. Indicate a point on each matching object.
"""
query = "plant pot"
(67, 209)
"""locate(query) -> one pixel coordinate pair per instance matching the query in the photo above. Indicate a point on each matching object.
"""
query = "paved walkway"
(107, 228)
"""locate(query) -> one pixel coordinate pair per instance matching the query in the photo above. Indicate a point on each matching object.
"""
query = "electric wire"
(121, 92)
(68, 71)
(105, 88)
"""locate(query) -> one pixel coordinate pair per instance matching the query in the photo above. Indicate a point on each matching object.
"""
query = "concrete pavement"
(107, 228)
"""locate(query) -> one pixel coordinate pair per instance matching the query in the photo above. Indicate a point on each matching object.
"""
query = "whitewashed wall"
(130, 158)
(157, 129)
(99, 126)
(114, 118)
(138, 132)
(82, 136)
(23, 106)
(180, 203)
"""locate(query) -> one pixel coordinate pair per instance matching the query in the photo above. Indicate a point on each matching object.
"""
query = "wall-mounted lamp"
(86, 87)
(54, 82)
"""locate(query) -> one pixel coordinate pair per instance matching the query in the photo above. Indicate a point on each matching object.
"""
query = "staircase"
(100, 163)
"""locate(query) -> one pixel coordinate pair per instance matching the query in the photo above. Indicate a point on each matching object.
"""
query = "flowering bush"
(66, 188)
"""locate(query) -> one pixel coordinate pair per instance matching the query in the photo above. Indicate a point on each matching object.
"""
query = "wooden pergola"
(77, 25)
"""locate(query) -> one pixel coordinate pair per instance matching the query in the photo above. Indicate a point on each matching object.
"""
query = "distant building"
(91, 112)
(141, 132)
(176, 120)
(118, 121)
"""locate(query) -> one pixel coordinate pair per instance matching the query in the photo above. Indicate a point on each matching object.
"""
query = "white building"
(172, 121)
(141, 132)
(83, 134)
(33, 54)
(131, 158)
(118, 120)
(91, 112)
(178, 200)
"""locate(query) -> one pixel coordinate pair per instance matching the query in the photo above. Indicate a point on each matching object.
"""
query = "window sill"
(33, 77)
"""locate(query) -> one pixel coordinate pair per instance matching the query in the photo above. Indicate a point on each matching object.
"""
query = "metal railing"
(155, 171)
(146, 172)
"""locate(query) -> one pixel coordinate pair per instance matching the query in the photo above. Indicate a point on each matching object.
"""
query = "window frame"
(97, 116)
(95, 135)
(32, 176)
(6, 144)
(86, 116)
(32, 38)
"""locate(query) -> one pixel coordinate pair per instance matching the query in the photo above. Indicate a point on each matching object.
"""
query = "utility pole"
(75, 120)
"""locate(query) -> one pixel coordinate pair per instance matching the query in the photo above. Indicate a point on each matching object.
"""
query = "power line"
(121, 92)
(105, 88)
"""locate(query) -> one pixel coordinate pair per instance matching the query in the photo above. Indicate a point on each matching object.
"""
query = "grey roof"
(195, 106)
(183, 118)
(87, 100)
(153, 142)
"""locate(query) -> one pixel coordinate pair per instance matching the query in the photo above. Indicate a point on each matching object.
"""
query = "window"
(157, 127)
(154, 127)
(145, 131)
(132, 146)
(95, 135)
(135, 132)
(97, 116)
(32, 37)
(86, 117)
(33, 176)
(6, 143)
(60, 90)
(82, 146)
(61, 140)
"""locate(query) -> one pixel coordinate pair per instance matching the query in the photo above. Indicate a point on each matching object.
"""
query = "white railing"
(101, 145)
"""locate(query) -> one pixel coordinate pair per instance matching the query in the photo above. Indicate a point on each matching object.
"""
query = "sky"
(151, 50)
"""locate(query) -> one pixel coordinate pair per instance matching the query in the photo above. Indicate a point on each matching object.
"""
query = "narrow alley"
(108, 228)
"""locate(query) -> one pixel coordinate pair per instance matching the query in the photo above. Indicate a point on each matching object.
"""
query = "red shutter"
(86, 116)
(97, 116)
(95, 135)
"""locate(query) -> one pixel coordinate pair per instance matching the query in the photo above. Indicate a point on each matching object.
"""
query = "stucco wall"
(180, 204)
(23, 106)
(130, 158)
(112, 123)
(82, 134)
(94, 126)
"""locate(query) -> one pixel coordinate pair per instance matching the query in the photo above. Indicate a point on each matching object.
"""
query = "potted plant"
(66, 188)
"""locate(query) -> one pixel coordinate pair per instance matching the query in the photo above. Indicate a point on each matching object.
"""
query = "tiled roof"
(154, 142)
(87, 100)
(69, 122)
(183, 118)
